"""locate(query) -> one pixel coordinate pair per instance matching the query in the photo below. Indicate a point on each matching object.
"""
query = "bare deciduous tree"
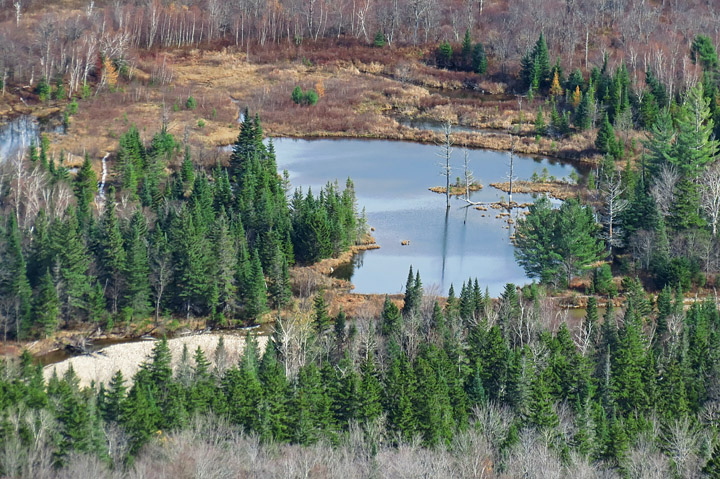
(663, 190)
(710, 199)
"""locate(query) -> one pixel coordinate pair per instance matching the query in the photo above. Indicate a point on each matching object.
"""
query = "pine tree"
(649, 110)
(224, 264)
(541, 63)
(379, 40)
(694, 148)
(191, 261)
(703, 51)
(274, 397)
(542, 415)
(444, 55)
(369, 393)
(410, 305)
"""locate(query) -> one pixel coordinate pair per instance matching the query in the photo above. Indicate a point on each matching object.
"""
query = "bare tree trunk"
(446, 152)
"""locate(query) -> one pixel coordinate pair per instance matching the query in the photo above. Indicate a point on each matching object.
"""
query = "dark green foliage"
(46, 306)
(583, 113)
(535, 71)
(42, 89)
(479, 59)
(444, 55)
(703, 51)
(540, 127)
(555, 245)
(379, 39)
(321, 319)
(73, 261)
(606, 142)
(309, 97)
(391, 317)
(85, 187)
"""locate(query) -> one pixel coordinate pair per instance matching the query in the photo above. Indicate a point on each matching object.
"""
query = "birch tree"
(710, 196)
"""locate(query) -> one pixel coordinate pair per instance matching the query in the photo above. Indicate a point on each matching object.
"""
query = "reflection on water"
(391, 181)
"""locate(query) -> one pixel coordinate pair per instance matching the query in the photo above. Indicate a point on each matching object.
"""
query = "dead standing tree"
(445, 153)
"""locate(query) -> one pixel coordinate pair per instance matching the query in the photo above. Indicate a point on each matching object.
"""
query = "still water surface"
(391, 181)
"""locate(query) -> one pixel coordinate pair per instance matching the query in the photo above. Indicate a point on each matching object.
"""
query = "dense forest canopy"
(217, 244)
(495, 384)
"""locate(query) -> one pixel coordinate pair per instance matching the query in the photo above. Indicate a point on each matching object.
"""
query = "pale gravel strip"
(103, 364)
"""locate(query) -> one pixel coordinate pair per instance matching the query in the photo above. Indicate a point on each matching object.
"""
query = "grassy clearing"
(360, 98)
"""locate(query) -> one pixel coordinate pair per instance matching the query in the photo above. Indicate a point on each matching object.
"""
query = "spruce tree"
(73, 262)
(391, 317)
(321, 317)
(46, 306)
(137, 268)
(115, 398)
(85, 187)
(111, 253)
(479, 59)
(605, 141)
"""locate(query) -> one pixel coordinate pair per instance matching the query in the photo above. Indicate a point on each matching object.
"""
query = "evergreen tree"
(321, 317)
(46, 306)
(694, 148)
(111, 253)
(114, 402)
(379, 40)
(390, 317)
(479, 59)
(85, 187)
(540, 128)
(256, 293)
(467, 51)
(605, 141)
(73, 262)
(14, 285)
(583, 114)
(703, 51)
(137, 268)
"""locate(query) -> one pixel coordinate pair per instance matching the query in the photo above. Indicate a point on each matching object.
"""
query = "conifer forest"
(165, 176)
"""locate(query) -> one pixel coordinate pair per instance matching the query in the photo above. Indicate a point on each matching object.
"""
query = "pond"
(391, 182)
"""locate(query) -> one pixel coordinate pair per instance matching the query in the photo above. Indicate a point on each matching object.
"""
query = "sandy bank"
(103, 364)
